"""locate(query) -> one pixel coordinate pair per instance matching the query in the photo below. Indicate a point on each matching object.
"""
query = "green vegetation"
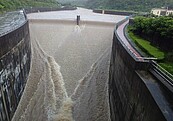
(150, 47)
(74, 3)
(159, 31)
(134, 5)
(167, 66)
(147, 47)
(78, 3)
(6, 5)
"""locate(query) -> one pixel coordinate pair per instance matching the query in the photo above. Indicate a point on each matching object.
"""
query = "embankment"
(134, 93)
(15, 56)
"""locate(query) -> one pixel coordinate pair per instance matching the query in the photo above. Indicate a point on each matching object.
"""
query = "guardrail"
(160, 73)
(121, 22)
(164, 76)
(121, 41)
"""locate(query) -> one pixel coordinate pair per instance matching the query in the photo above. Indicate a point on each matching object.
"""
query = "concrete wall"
(131, 95)
(15, 56)
(43, 9)
(123, 13)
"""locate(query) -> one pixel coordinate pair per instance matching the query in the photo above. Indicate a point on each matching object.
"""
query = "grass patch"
(150, 50)
(167, 66)
(146, 46)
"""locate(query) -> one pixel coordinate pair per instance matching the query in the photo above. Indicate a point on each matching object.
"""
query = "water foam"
(49, 100)
(79, 28)
(65, 113)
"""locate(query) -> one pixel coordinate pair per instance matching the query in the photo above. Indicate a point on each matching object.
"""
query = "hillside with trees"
(6, 5)
(133, 5)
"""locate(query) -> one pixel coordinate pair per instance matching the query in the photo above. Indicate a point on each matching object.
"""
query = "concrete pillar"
(78, 19)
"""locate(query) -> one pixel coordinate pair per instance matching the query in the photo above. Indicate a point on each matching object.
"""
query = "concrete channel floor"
(70, 65)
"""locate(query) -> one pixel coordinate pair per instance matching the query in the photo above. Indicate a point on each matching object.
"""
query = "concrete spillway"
(79, 89)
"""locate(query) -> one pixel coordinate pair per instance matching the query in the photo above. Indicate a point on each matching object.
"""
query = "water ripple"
(10, 21)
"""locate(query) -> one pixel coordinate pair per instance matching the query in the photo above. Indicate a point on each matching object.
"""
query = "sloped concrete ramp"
(70, 65)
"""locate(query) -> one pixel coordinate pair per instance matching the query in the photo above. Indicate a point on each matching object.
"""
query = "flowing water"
(69, 72)
(11, 20)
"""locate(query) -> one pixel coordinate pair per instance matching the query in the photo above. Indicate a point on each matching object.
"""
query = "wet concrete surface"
(68, 60)
(11, 20)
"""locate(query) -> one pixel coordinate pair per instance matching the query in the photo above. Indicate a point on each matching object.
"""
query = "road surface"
(120, 32)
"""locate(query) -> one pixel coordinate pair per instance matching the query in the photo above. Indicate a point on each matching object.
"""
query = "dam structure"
(15, 56)
(70, 66)
(55, 68)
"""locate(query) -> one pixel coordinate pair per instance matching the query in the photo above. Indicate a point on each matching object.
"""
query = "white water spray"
(50, 99)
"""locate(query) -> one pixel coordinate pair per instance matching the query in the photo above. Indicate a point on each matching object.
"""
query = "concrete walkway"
(120, 32)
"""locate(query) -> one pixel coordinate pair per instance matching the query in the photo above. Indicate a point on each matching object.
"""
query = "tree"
(134, 5)
(158, 31)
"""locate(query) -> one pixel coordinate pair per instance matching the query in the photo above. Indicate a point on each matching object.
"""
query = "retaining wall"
(134, 94)
(15, 56)
(15, 59)
(44, 9)
(123, 13)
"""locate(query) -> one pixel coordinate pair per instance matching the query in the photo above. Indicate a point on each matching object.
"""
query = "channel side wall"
(130, 95)
(15, 57)
(44, 9)
(122, 13)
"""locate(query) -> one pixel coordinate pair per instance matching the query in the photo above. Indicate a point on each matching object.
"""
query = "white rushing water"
(45, 97)
(78, 91)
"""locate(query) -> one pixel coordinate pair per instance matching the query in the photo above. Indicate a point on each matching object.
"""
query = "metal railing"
(164, 76)
(159, 72)
(121, 41)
